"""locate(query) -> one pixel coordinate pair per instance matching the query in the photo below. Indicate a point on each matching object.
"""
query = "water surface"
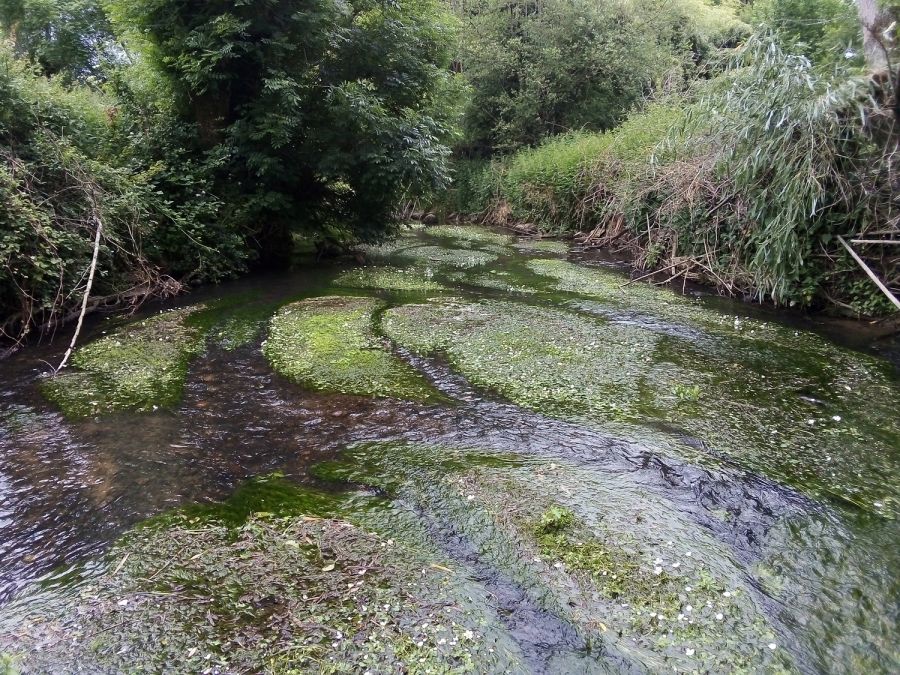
(770, 447)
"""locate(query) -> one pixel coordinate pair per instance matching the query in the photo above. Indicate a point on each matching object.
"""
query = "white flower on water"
(689, 651)
(657, 570)
(720, 616)
(772, 646)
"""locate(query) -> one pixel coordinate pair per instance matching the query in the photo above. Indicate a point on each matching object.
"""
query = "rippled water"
(824, 568)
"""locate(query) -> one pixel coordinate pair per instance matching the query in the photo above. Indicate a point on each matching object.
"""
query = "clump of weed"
(389, 279)
(328, 344)
(470, 234)
(449, 257)
(687, 392)
(554, 520)
(141, 366)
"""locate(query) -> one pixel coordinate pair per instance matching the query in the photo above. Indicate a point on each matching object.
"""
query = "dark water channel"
(822, 562)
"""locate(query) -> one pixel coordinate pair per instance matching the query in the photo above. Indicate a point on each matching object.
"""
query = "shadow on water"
(69, 488)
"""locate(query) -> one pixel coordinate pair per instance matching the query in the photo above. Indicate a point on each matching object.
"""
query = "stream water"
(768, 448)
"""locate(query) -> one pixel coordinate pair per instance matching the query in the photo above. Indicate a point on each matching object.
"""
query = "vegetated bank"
(766, 132)
(745, 183)
(166, 145)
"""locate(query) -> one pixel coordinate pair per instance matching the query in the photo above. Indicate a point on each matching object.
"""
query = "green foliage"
(798, 159)
(539, 69)
(221, 130)
(687, 392)
(76, 156)
(826, 31)
(555, 519)
(318, 119)
(67, 37)
(747, 181)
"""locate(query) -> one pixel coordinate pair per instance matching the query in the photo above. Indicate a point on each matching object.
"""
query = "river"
(515, 410)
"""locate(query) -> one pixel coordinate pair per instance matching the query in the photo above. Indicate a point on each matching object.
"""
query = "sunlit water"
(825, 570)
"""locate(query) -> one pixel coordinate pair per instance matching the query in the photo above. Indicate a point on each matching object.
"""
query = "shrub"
(744, 183)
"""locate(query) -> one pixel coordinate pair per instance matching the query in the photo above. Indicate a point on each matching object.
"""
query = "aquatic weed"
(328, 344)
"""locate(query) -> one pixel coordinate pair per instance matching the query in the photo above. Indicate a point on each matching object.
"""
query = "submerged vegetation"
(294, 578)
(644, 499)
(328, 344)
(388, 278)
(141, 366)
(305, 585)
(696, 377)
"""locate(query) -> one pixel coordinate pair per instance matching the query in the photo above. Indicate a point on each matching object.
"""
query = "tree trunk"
(874, 21)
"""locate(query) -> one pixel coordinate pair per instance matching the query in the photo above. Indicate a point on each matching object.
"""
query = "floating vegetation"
(614, 290)
(471, 234)
(825, 423)
(141, 366)
(546, 359)
(328, 344)
(495, 280)
(230, 589)
(379, 252)
(451, 257)
(389, 279)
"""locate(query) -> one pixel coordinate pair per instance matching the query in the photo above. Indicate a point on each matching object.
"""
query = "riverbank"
(705, 186)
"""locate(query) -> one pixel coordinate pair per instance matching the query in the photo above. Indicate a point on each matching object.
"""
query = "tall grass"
(744, 183)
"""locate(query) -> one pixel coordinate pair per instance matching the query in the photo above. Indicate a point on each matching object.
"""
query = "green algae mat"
(141, 366)
(500, 461)
(328, 344)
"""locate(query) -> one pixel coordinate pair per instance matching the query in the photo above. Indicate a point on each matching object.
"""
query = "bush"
(745, 184)
(75, 157)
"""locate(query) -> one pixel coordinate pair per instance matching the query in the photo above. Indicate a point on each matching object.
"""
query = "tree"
(319, 116)
(543, 68)
(68, 37)
(876, 18)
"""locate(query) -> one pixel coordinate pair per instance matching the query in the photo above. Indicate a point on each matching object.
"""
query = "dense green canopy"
(208, 137)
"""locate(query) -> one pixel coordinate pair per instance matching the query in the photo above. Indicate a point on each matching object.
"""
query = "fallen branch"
(884, 289)
(87, 293)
